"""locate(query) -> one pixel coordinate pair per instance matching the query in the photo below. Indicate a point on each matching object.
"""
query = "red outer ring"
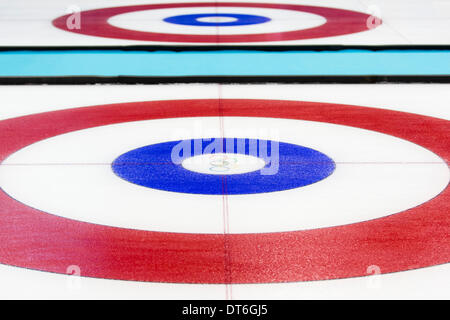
(415, 238)
(339, 22)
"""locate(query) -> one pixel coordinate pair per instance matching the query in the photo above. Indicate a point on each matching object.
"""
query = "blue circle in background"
(291, 167)
(192, 19)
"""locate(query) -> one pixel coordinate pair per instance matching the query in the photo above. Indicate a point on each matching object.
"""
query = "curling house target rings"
(338, 22)
(53, 243)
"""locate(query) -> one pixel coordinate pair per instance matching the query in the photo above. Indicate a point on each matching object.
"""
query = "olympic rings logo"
(222, 163)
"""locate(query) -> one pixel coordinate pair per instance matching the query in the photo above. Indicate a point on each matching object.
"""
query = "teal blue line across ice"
(226, 62)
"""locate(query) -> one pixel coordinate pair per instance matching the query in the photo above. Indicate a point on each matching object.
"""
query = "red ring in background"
(338, 22)
(417, 237)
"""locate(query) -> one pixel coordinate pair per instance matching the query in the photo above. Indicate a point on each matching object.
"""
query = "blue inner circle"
(288, 166)
(192, 19)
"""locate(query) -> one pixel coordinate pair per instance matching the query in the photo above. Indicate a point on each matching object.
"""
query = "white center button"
(223, 163)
